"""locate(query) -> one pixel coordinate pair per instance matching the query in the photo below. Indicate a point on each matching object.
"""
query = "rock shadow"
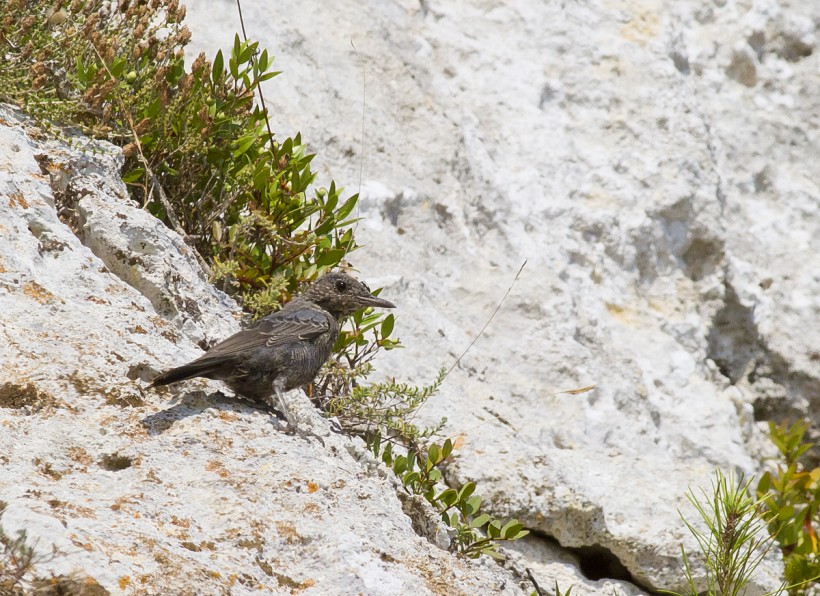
(195, 402)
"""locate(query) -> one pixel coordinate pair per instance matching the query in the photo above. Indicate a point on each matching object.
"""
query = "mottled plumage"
(286, 349)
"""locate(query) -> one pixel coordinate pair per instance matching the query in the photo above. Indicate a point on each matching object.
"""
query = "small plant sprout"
(734, 540)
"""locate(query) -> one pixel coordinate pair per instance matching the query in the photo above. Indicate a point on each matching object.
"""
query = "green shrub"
(383, 413)
(476, 532)
(199, 153)
(791, 497)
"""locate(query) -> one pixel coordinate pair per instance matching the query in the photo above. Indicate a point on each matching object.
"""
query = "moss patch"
(15, 396)
(114, 462)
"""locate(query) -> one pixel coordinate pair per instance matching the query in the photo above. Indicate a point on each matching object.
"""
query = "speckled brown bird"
(284, 350)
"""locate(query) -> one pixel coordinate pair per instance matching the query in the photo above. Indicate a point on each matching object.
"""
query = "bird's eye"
(341, 286)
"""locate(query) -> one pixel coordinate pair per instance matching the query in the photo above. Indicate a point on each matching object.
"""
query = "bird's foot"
(305, 434)
(336, 427)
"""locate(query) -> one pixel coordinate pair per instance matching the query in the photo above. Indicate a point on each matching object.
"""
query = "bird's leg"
(281, 404)
(278, 388)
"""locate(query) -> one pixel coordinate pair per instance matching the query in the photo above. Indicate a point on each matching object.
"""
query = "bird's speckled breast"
(308, 355)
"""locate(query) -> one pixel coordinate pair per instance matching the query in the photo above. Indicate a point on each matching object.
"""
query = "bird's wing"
(286, 326)
(274, 330)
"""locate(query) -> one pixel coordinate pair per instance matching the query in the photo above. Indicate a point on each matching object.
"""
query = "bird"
(283, 350)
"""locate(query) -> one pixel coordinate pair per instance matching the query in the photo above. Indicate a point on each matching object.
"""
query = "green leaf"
(269, 75)
(133, 175)
(474, 502)
(490, 551)
(244, 143)
(410, 479)
(387, 325)
(375, 443)
(448, 497)
(387, 453)
(480, 521)
(331, 258)
(447, 449)
(262, 61)
(237, 45)
(218, 68)
(494, 529)
(466, 490)
(154, 108)
(450, 518)
(346, 207)
(330, 204)
(511, 528)
(117, 67)
(247, 52)
(471, 505)
(765, 483)
(432, 455)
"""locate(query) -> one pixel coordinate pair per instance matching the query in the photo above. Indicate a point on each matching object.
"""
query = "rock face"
(654, 163)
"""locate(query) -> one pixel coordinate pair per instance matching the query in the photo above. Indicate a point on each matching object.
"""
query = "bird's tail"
(197, 368)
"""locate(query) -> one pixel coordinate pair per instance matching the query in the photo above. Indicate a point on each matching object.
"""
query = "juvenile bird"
(283, 350)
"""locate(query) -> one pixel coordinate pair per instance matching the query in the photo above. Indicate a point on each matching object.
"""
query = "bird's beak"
(366, 301)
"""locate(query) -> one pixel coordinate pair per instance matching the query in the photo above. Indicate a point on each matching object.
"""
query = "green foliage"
(199, 153)
(386, 409)
(476, 533)
(791, 498)
(353, 344)
(355, 349)
(734, 541)
(383, 413)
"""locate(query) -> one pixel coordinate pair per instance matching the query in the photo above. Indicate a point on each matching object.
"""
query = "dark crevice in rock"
(392, 209)
(681, 61)
(714, 158)
(733, 338)
(784, 395)
(702, 257)
(596, 562)
(781, 394)
(677, 241)
(63, 173)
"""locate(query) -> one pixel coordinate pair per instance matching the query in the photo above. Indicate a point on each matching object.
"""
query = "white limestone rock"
(664, 199)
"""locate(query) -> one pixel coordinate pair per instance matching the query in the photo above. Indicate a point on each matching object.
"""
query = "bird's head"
(341, 295)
